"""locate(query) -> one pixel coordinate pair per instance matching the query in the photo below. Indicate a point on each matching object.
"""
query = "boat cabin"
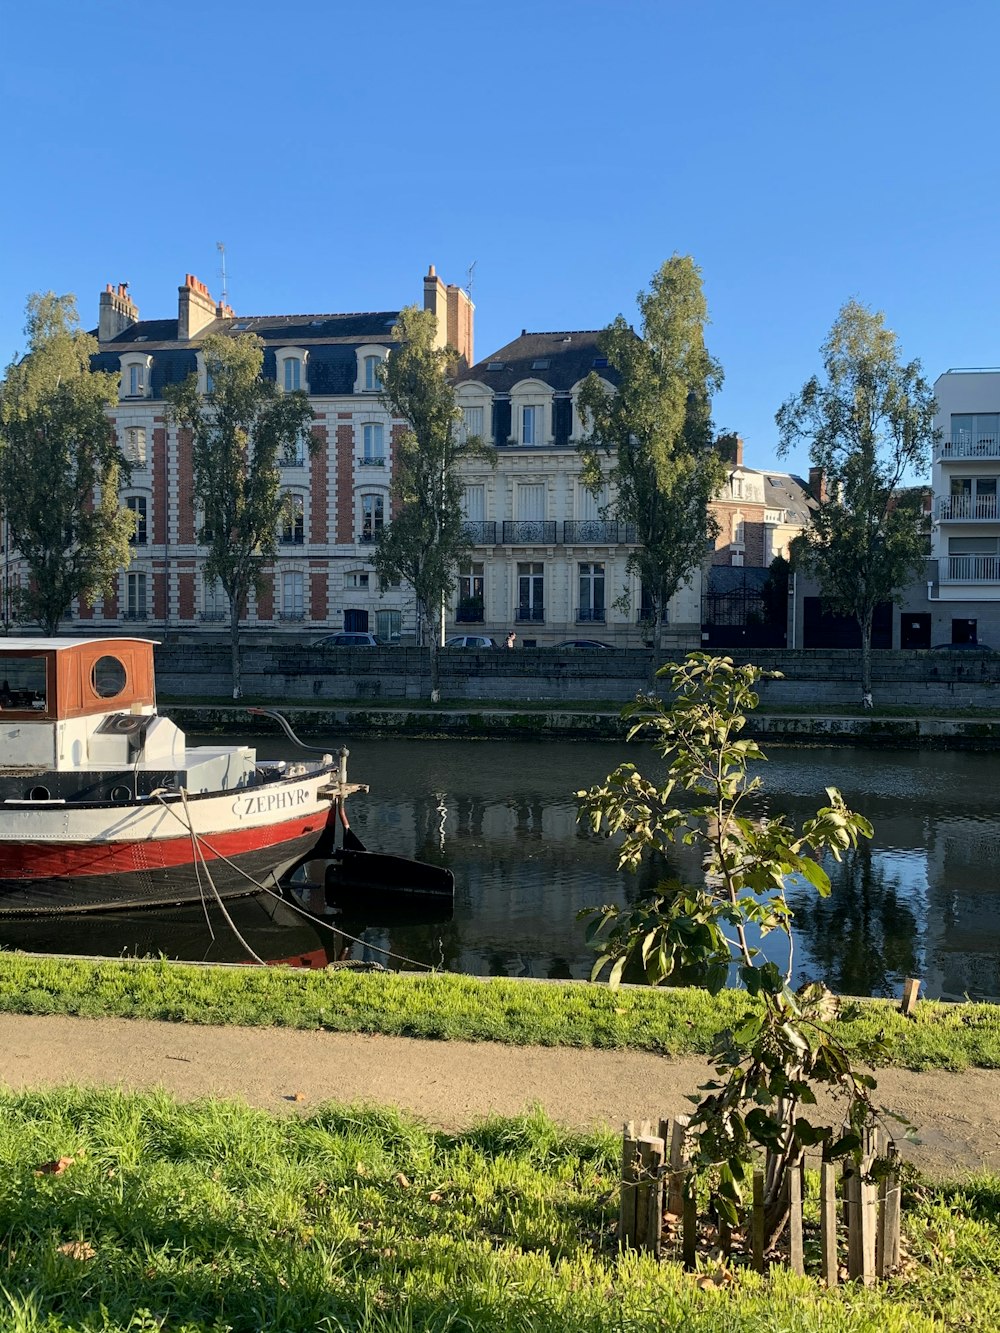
(83, 712)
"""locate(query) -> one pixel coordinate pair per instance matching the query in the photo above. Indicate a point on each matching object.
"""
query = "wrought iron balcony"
(480, 533)
(590, 615)
(599, 531)
(291, 539)
(368, 538)
(968, 507)
(215, 615)
(526, 613)
(529, 532)
(371, 460)
(470, 611)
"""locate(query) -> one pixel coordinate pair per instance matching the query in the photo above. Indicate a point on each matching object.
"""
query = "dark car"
(581, 643)
(348, 640)
(961, 648)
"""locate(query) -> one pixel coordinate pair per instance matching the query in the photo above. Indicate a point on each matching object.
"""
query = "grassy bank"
(450, 1007)
(127, 1212)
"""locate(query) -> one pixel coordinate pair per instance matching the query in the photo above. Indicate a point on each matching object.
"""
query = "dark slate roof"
(570, 353)
(782, 490)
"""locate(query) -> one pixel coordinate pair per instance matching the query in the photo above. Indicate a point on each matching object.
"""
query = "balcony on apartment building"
(981, 507)
(539, 532)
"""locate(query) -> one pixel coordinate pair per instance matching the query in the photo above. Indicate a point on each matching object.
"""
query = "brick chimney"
(730, 448)
(455, 314)
(817, 485)
(195, 308)
(117, 312)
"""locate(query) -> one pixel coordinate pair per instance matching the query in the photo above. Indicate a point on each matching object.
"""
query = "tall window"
(531, 501)
(470, 592)
(388, 625)
(135, 596)
(295, 453)
(216, 603)
(372, 517)
(373, 439)
(592, 592)
(474, 503)
(530, 590)
(529, 425)
(136, 381)
(135, 444)
(293, 522)
(472, 421)
(974, 435)
(137, 504)
(293, 374)
(291, 595)
(589, 504)
(371, 372)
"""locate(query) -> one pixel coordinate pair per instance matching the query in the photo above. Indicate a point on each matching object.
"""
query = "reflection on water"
(922, 899)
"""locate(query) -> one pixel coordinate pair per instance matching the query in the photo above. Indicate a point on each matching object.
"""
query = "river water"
(922, 899)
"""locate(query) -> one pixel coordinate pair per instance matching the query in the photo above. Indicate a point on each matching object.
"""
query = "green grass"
(450, 1007)
(212, 1216)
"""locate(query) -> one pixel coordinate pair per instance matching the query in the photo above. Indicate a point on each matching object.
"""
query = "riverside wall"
(812, 679)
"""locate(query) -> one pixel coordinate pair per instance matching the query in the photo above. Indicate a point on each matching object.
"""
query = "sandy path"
(449, 1084)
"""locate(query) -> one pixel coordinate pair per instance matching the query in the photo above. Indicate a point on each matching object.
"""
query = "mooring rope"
(201, 842)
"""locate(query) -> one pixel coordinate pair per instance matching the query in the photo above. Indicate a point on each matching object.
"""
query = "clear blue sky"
(802, 153)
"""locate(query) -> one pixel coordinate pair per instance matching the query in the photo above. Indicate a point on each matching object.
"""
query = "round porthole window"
(108, 677)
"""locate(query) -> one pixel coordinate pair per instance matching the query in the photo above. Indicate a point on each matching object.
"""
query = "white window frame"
(136, 606)
(134, 502)
(133, 443)
(136, 370)
(293, 530)
(365, 353)
(372, 435)
(284, 358)
(292, 594)
(371, 524)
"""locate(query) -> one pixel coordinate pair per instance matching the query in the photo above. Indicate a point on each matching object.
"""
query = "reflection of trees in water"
(863, 939)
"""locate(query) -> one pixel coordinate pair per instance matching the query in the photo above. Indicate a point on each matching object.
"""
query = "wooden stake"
(649, 1195)
(887, 1247)
(626, 1211)
(828, 1221)
(690, 1241)
(678, 1159)
(796, 1253)
(911, 989)
(757, 1223)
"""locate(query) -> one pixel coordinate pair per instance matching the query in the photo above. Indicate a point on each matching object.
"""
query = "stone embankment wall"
(812, 679)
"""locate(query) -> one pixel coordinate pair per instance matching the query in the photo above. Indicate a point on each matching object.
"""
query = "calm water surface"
(923, 899)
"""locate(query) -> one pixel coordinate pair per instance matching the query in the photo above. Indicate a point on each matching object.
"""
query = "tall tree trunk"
(435, 673)
(234, 646)
(866, 658)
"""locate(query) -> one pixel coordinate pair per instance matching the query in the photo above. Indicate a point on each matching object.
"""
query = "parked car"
(471, 641)
(348, 640)
(961, 648)
(581, 643)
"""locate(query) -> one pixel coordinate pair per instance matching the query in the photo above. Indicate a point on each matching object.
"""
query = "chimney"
(730, 448)
(195, 308)
(436, 301)
(461, 313)
(117, 312)
(817, 485)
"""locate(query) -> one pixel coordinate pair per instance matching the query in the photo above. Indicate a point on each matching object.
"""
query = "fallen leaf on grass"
(55, 1168)
(296, 1097)
(435, 1197)
(77, 1249)
(402, 1182)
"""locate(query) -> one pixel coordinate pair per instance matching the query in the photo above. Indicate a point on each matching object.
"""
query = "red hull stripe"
(41, 860)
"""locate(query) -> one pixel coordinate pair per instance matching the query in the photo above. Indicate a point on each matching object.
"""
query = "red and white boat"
(104, 805)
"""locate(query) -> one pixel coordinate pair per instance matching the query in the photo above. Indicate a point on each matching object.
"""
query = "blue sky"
(803, 153)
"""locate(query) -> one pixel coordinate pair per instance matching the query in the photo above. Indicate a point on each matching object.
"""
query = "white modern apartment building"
(965, 541)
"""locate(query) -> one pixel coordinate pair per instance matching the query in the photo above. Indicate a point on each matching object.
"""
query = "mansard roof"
(571, 355)
(373, 326)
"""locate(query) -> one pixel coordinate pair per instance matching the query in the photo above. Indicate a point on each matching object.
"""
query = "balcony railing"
(968, 507)
(369, 538)
(602, 531)
(479, 533)
(470, 612)
(986, 446)
(291, 539)
(590, 615)
(529, 532)
(971, 569)
(525, 613)
(372, 460)
(215, 615)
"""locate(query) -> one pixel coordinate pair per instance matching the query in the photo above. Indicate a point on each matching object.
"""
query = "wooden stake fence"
(870, 1207)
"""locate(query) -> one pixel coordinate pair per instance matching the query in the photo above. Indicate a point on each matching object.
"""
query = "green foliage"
(771, 1064)
(657, 430)
(240, 430)
(425, 539)
(60, 466)
(869, 425)
(215, 1217)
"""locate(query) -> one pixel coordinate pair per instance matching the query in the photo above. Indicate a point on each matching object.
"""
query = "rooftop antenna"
(469, 275)
(221, 247)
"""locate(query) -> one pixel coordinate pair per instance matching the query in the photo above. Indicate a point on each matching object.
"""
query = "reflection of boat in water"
(106, 806)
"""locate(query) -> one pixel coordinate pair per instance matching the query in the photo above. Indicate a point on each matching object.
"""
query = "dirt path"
(449, 1084)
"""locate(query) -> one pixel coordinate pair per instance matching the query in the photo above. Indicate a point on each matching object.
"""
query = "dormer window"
(372, 364)
(291, 369)
(369, 357)
(529, 425)
(135, 375)
(531, 413)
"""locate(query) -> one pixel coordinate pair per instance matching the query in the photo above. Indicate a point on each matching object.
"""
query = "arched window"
(372, 364)
(293, 374)
(137, 504)
(293, 521)
(372, 516)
